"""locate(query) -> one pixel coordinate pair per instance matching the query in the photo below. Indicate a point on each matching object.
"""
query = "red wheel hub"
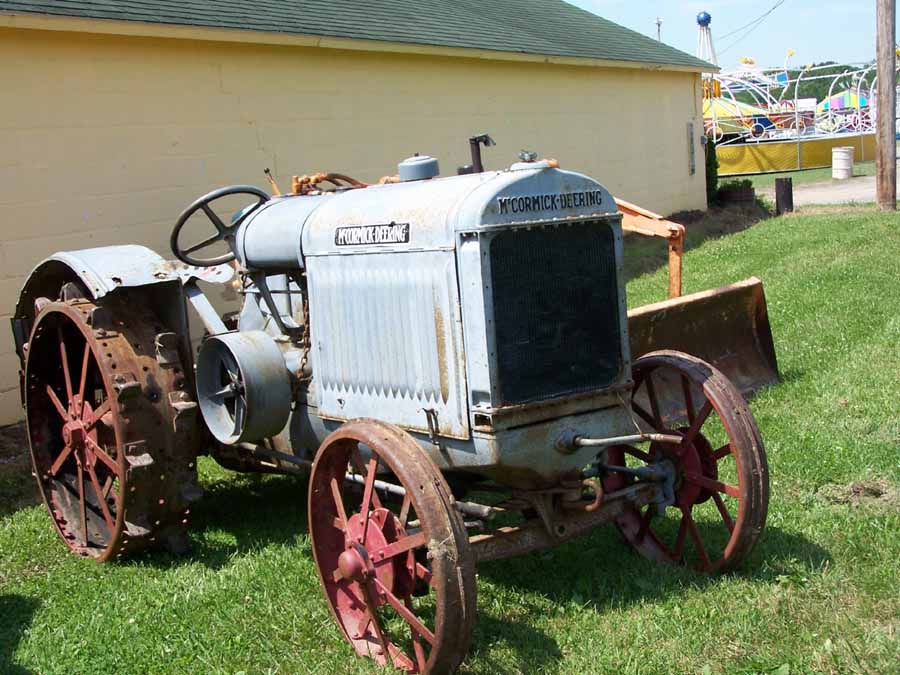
(354, 563)
(75, 430)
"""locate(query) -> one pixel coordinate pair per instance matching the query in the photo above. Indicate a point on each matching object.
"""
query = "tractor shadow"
(601, 571)
(510, 643)
(244, 513)
(598, 572)
(17, 612)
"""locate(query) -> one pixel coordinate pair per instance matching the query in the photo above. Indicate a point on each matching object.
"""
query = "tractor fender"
(97, 272)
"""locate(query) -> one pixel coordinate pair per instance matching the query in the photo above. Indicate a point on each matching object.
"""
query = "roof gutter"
(74, 24)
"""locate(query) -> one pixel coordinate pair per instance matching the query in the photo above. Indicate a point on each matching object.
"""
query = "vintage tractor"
(449, 361)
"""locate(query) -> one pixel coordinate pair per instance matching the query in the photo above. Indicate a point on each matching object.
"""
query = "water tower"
(705, 48)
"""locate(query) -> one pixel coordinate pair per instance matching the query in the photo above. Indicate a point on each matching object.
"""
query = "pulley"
(243, 387)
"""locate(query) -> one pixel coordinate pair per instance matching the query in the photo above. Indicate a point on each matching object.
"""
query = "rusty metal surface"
(413, 561)
(112, 430)
(535, 535)
(728, 327)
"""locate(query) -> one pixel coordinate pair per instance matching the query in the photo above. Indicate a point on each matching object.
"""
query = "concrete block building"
(115, 116)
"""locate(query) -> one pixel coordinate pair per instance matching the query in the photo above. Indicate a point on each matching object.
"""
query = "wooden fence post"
(784, 195)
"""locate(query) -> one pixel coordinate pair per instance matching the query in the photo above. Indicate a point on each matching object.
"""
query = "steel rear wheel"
(102, 433)
(399, 577)
(721, 481)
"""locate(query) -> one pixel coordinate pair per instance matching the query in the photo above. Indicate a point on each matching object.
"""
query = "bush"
(736, 185)
(712, 172)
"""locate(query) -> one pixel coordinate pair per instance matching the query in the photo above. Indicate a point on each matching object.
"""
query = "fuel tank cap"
(418, 167)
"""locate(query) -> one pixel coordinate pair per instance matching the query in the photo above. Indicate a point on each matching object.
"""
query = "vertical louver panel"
(387, 339)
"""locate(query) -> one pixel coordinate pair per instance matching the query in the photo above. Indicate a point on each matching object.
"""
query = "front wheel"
(391, 550)
(720, 476)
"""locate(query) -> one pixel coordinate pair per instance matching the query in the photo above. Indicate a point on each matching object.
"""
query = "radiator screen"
(556, 310)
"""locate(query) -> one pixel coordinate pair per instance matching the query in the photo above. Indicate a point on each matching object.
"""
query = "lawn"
(821, 593)
(767, 180)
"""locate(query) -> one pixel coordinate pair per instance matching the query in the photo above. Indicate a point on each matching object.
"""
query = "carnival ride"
(761, 122)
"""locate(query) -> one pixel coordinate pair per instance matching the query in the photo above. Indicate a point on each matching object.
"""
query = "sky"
(817, 30)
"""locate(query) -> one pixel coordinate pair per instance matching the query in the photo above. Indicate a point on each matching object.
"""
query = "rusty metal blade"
(727, 327)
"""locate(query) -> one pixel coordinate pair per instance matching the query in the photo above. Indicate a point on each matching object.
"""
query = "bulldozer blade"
(727, 327)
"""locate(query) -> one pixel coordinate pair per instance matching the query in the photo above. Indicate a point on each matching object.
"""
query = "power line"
(740, 39)
(753, 25)
(756, 20)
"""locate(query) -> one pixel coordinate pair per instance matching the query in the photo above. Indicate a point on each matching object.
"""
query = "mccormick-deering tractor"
(449, 360)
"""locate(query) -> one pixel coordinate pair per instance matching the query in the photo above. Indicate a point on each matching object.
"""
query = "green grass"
(821, 593)
(767, 180)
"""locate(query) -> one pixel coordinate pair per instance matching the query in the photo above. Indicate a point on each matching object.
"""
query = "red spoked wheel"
(114, 472)
(719, 470)
(395, 565)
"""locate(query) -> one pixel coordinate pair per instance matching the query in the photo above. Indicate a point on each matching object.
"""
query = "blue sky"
(817, 30)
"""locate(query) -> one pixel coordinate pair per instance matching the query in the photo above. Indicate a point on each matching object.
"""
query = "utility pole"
(659, 29)
(886, 156)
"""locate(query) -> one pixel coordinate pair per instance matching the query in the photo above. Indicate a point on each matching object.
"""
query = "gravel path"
(860, 189)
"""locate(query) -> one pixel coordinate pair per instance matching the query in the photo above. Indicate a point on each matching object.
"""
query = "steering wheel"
(224, 232)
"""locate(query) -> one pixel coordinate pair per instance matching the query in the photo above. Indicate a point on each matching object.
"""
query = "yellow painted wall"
(105, 139)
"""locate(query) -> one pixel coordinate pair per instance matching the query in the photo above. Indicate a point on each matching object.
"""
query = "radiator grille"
(556, 311)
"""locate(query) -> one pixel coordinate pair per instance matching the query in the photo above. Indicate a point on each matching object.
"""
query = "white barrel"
(842, 162)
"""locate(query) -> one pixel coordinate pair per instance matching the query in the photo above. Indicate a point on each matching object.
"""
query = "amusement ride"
(761, 122)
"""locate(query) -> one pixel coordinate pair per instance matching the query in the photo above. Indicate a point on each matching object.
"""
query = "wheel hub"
(75, 432)
(360, 562)
(695, 457)
(354, 564)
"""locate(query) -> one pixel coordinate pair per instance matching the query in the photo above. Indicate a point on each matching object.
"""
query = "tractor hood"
(416, 215)
(428, 214)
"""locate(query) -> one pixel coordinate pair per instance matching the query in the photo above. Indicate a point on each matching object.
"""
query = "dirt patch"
(878, 494)
(17, 487)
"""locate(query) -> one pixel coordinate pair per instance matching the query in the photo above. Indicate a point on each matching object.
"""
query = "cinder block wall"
(105, 139)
